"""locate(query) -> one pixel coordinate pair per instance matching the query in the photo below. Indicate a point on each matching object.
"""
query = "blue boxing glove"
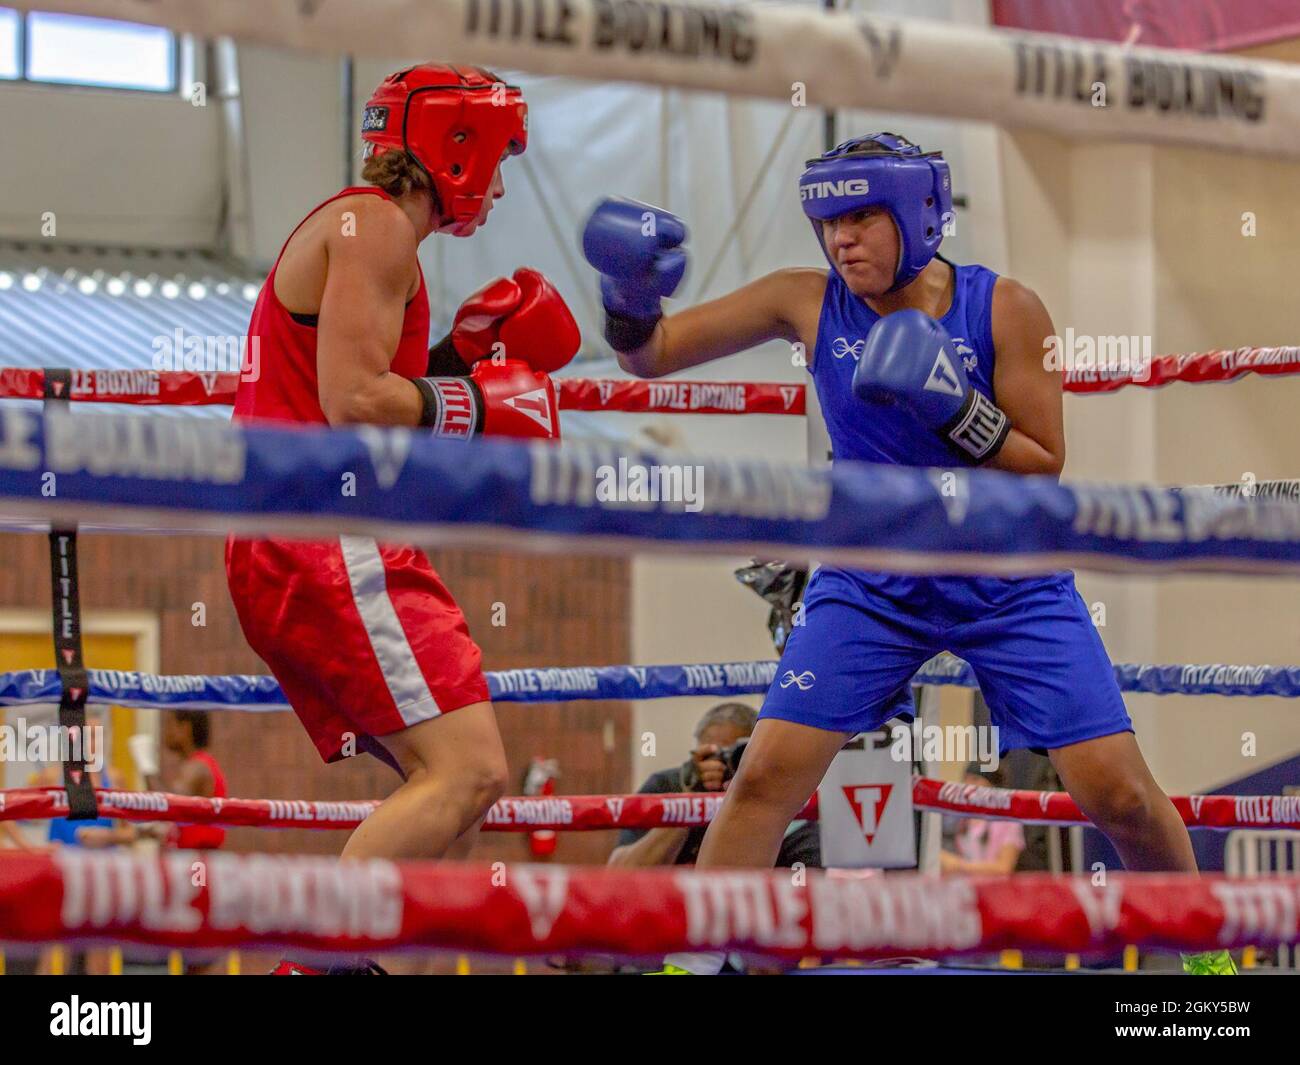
(910, 360)
(637, 250)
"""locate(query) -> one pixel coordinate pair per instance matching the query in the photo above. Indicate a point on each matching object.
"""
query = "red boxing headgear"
(455, 122)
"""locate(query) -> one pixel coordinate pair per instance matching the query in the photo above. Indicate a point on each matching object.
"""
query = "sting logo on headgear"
(456, 123)
(889, 171)
(816, 190)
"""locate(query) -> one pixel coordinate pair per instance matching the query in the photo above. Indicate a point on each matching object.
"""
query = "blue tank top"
(863, 432)
(871, 432)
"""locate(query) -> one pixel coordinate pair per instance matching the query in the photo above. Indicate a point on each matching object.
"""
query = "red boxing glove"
(541, 331)
(508, 398)
(518, 400)
(477, 326)
(526, 317)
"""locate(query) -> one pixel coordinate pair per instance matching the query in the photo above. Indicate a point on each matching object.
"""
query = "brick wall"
(558, 612)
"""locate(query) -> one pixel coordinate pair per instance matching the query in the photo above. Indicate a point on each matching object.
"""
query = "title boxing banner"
(533, 685)
(321, 904)
(866, 812)
(1060, 84)
(561, 684)
(402, 485)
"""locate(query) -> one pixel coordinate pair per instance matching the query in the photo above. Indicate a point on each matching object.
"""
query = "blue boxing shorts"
(1030, 641)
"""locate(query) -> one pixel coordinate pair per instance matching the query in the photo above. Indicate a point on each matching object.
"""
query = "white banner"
(1061, 84)
(864, 808)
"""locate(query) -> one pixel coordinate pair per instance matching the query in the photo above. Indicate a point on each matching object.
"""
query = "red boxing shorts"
(363, 637)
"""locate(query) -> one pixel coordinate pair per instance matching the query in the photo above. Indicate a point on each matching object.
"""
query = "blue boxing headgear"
(889, 171)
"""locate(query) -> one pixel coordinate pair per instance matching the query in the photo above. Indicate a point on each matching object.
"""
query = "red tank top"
(202, 837)
(286, 388)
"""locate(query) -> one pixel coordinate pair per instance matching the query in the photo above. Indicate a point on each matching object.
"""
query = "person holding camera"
(720, 739)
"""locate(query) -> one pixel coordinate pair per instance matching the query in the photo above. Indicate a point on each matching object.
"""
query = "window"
(9, 26)
(75, 50)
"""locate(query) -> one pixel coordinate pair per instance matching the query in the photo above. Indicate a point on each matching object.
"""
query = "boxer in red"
(368, 644)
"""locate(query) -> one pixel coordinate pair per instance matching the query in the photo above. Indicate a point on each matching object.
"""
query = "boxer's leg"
(845, 670)
(1050, 686)
(455, 769)
(782, 766)
(460, 850)
(1110, 780)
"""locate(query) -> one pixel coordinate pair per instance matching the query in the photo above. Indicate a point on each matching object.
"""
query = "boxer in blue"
(919, 362)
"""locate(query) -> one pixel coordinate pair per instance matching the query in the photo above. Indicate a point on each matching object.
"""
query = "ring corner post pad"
(865, 806)
(65, 602)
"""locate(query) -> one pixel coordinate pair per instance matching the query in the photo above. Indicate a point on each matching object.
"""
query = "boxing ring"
(155, 475)
(108, 468)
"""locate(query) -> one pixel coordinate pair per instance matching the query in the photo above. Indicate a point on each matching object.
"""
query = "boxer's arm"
(120, 835)
(1004, 864)
(1027, 391)
(194, 778)
(659, 846)
(13, 837)
(367, 281)
(763, 310)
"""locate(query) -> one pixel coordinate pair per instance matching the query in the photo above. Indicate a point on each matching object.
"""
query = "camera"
(728, 756)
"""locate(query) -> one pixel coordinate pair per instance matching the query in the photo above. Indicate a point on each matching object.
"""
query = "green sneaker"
(670, 970)
(1209, 963)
